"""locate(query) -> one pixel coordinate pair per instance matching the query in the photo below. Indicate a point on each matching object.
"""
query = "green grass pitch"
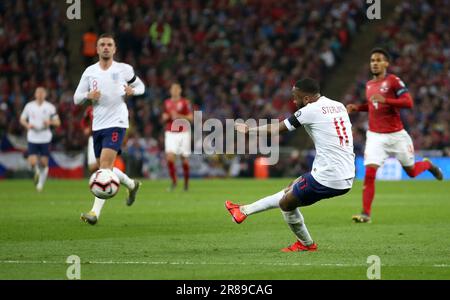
(190, 235)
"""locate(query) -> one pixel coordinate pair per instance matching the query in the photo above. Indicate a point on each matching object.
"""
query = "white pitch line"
(207, 263)
(174, 263)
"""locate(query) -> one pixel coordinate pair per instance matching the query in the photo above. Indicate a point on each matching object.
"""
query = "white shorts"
(90, 152)
(379, 146)
(178, 143)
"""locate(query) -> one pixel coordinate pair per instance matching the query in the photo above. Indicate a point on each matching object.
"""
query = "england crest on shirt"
(115, 76)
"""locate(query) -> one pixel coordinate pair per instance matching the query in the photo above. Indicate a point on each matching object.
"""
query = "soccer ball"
(104, 184)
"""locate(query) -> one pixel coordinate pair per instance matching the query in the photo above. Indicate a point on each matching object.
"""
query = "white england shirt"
(328, 124)
(36, 115)
(110, 110)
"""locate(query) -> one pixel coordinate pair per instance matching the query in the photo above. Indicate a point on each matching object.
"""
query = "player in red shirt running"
(177, 139)
(386, 94)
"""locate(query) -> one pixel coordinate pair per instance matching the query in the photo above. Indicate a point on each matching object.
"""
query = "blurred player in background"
(37, 117)
(86, 124)
(386, 94)
(177, 141)
(106, 84)
(328, 124)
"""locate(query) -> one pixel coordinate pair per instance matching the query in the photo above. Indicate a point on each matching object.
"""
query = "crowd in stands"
(34, 51)
(418, 39)
(234, 59)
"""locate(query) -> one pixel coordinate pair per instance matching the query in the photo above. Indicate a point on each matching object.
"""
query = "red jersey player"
(386, 94)
(177, 140)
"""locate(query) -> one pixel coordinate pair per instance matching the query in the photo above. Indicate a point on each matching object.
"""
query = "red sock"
(172, 171)
(419, 167)
(369, 189)
(186, 173)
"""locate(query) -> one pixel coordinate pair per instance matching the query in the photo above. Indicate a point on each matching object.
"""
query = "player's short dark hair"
(381, 51)
(107, 35)
(308, 86)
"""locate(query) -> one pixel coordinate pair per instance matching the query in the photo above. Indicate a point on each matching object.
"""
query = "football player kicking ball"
(107, 84)
(386, 94)
(327, 123)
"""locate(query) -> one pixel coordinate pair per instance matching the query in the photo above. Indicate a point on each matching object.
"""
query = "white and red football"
(104, 184)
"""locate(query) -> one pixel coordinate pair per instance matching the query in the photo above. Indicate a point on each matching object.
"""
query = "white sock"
(269, 202)
(296, 222)
(124, 179)
(98, 205)
(43, 172)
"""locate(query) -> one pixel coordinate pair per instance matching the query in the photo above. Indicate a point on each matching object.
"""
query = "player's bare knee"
(107, 158)
(32, 160)
(44, 162)
(170, 157)
(283, 204)
(106, 163)
(93, 167)
(288, 203)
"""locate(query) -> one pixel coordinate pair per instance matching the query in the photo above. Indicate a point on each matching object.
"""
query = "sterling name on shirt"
(333, 109)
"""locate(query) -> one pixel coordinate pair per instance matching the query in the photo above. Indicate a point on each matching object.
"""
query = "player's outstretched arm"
(269, 128)
(357, 107)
